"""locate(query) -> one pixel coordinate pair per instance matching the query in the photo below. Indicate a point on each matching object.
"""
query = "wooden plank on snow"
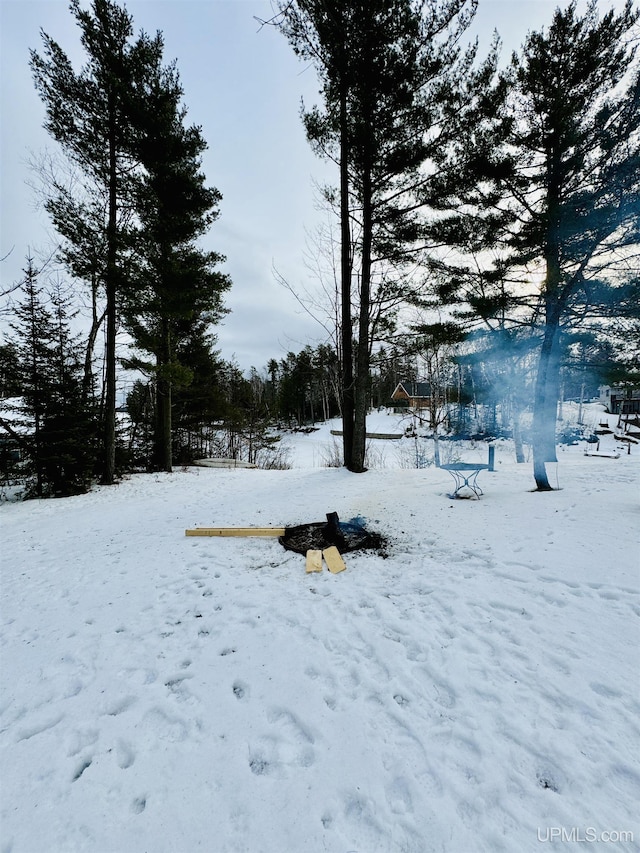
(314, 561)
(334, 559)
(236, 531)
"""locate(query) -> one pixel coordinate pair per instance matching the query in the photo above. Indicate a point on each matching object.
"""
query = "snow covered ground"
(476, 691)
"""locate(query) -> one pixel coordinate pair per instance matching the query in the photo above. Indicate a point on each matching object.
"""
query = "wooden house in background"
(414, 395)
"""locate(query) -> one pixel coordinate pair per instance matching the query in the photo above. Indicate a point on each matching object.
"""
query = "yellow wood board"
(314, 561)
(333, 559)
(236, 531)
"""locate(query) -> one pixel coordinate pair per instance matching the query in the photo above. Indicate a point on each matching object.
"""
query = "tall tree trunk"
(547, 388)
(517, 431)
(362, 355)
(346, 321)
(163, 460)
(580, 407)
(109, 441)
(96, 323)
(546, 401)
(35, 379)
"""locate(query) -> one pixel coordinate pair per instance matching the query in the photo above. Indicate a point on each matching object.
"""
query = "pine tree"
(9, 371)
(177, 284)
(93, 114)
(52, 423)
(33, 333)
(578, 137)
(68, 428)
(140, 409)
(388, 70)
(198, 406)
(76, 208)
(558, 200)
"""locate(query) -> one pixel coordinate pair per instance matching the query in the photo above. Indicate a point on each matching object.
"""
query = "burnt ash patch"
(346, 536)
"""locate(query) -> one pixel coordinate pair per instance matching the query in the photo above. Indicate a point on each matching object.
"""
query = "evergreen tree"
(388, 71)
(141, 411)
(94, 114)
(200, 405)
(68, 427)
(52, 423)
(578, 142)
(558, 200)
(33, 331)
(291, 390)
(77, 211)
(9, 371)
(177, 285)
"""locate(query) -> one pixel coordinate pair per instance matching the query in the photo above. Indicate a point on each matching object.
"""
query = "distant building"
(415, 395)
(620, 400)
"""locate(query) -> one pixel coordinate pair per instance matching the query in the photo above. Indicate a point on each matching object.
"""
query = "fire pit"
(346, 536)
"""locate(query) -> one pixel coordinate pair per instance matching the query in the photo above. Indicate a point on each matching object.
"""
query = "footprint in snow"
(241, 690)
(604, 690)
(119, 706)
(82, 766)
(139, 805)
(286, 747)
(38, 728)
(258, 765)
(81, 739)
(176, 686)
(125, 754)
(165, 726)
(398, 796)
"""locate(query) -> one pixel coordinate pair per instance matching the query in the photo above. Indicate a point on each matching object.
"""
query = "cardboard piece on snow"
(314, 561)
(334, 560)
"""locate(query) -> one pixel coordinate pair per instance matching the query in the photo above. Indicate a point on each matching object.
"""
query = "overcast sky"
(244, 86)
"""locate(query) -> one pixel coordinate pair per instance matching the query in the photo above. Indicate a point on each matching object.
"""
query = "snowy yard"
(475, 692)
